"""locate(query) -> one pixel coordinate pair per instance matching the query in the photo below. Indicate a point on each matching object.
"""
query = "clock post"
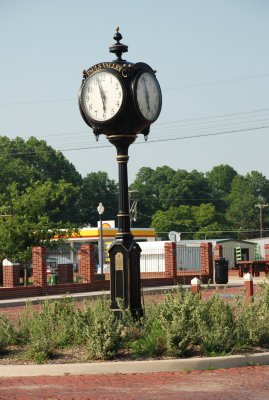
(121, 99)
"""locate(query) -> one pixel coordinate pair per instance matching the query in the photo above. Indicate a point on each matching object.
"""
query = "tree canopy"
(32, 160)
(163, 192)
(29, 217)
(97, 188)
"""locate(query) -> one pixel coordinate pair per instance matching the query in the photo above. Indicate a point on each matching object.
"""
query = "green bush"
(152, 343)
(176, 315)
(103, 333)
(46, 330)
(6, 333)
(215, 326)
(252, 321)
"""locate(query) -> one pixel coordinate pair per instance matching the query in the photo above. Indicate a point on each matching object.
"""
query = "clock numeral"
(95, 112)
(89, 88)
(87, 98)
(112, 111)
(117, 85)
(119, 95)
(90, 107)
(95, 81)
(118, 103)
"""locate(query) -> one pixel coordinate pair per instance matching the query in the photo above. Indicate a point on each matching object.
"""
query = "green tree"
(220, 181)
(210, 222)
(144, 190)
(241, 212)
(24, 162)
(30, 217)
(180, 219)
(259, 185)
(97, 188)
(191, 221)
(164, 188)
(184, 188)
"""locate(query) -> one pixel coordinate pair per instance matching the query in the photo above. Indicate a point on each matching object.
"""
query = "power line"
(219, 82)
(151, 141)
(231, 121)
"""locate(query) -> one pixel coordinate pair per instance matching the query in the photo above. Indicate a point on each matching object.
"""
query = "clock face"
(102, 96)
(148, 96)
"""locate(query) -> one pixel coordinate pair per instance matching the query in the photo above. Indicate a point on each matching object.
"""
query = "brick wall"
(86, 270)
(65, 273)
(39, 266)
(170, 257)
(266, 251)
(19, 292)
(11, 275)
(1, 275)
(207, 260)
(86, 263)
(218, 251)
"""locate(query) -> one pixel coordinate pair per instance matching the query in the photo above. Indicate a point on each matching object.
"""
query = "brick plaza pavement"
(245, 383)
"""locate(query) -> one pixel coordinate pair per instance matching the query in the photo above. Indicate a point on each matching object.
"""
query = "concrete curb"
(135, 367)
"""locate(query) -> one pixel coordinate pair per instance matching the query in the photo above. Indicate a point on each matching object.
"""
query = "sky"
(212, 63)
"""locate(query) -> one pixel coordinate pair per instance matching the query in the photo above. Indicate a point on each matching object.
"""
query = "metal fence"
(63, 254)
(188, 258)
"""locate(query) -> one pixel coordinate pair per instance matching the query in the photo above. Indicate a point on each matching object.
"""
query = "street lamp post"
(101, 210)
(261, 207)
(121, 99)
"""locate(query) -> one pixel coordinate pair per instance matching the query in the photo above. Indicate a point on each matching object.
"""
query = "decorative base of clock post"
(125, 277)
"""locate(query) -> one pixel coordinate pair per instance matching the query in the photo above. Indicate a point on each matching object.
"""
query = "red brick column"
(196, 286)
(39, 266)
(170, 259)
(11, 275)
(207, 259)
(266, 248)
(86, 264)
(218, 252)
(248, 279)
(65, 273)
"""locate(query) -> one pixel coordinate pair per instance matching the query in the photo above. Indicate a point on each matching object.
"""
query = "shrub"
(48, 329)
(103, 333)
(176, 315)
(252, 321)
(6, 333)
(152, 343)
(215, 326)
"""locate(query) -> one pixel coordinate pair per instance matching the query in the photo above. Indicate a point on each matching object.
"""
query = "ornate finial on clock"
(118, 48)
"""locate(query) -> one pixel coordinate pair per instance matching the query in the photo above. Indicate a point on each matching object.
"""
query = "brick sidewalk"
(229, 384)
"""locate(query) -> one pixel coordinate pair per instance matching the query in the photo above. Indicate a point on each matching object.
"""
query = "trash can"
(221, 271)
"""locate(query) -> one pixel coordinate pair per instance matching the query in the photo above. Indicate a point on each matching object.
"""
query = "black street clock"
(121, 99)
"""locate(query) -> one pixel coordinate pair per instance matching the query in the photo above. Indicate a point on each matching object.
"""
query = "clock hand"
(103, 96)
